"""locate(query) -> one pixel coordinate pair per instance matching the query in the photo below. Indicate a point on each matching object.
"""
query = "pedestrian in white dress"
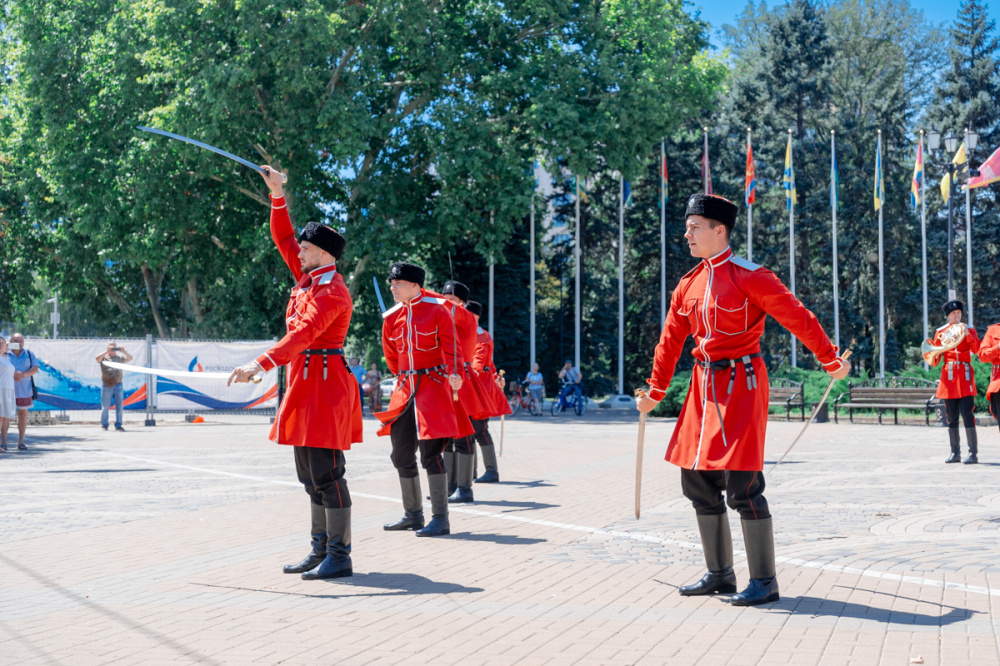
(8, 401)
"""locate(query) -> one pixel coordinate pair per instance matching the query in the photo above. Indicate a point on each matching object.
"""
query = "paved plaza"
(165, 545)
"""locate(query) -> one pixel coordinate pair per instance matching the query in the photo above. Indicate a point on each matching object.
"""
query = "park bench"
(888, 394)
(788, 394)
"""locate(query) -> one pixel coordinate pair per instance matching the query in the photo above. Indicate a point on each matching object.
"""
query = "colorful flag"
(750, 193)
(664, 195)
(706, 169)
(791, 198)
(879, 192)
(583, 190)
(627, 194)
(834, 179)
(989, 171)
(946, 181)
(918, 176)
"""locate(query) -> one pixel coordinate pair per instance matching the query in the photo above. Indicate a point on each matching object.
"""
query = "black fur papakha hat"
(324, 238)
(475, 308)
(953, 305)
(713, 207)
(457, 288)
(409, 272)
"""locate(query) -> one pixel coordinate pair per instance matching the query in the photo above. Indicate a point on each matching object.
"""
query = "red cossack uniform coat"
(486, 373)
(722, 303)
(474, 402)
(958, 377)
(989, 352)
(319, 411)
(419, 336)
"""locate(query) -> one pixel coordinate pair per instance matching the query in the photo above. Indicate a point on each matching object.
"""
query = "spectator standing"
(8, 401)
(359, 374)
(536, 386)
(25, 366)
(572, 380)
(374, 389)
(111, 384)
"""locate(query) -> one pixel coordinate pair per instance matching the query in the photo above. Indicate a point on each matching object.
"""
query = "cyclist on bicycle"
(535, 386)
(572, 380)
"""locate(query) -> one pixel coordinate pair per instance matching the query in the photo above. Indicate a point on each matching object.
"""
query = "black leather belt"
(424, 371)
(731, 363)
(325, 353)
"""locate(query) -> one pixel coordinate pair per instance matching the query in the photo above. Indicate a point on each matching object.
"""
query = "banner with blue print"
(200, 394)
(69, 376)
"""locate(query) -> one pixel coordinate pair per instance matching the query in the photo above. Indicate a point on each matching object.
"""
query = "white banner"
(183, 393)
(69, 376)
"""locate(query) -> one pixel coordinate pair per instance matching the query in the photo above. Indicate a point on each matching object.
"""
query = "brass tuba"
(951, 337)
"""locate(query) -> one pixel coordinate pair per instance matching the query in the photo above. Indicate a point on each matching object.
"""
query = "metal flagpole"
(491, 283)
(704, 165)
(881, 282)
(968, 236)
(749, 216)
(833, 206)
(621, 285)
(578, 255)
(791, 241)
(663, 236)
(923, 238)
(531, 279)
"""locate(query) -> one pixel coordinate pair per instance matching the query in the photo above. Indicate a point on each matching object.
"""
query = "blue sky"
(720, 12)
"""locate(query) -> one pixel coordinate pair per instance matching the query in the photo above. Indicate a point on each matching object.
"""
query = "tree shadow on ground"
(513, 507)
(501, 539)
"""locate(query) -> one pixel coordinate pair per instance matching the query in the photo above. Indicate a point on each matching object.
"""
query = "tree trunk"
(153, 281)
(195, 300)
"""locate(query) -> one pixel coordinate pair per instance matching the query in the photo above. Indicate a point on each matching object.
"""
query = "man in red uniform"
(958, 385)
(419, 344)
(989, 352)
(321, 412)
(718, 441)
(474, 401)
(485, 372)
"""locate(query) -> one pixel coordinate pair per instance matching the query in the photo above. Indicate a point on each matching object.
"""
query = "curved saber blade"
(638, 456)
(217, 151)
(172, 373)
(378, 294)
(815, 411)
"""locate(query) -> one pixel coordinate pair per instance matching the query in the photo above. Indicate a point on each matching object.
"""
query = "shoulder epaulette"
(691, 272)
(391, 310)
(744, 263)
(439, 301)
(479, 329)
(941, 328)
(327, 278)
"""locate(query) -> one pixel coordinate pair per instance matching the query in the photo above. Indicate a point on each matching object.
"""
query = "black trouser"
(405, 444)
(321, 471)
(995, 405)
(953, 406)
(744, 492)
(481, 435)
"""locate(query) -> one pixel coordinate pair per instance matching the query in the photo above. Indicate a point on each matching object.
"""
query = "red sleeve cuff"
(656, 394)
(277, 202)
(266, 363)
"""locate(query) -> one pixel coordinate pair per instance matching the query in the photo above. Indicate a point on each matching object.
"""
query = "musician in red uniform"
(419, 344)
(492, 386)
(718, 441)
(474, 401)
(958, 384)
(320, 414)
(989, 352)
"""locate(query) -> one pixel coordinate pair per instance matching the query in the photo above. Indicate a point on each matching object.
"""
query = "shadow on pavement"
(516, 506)
(502, 539)
(523, 484)
(819, 607)
(396, 584)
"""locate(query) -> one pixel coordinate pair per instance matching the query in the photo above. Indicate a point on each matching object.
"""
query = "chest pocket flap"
(426, 341)
(731, 314)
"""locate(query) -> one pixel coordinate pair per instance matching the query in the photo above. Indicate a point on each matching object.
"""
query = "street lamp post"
(953, 168)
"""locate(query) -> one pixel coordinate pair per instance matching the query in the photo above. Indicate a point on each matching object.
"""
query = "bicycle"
(519, 399)
(578, 403)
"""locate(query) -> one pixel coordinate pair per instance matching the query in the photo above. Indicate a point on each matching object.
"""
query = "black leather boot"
(956, 447)
(449, 466)
(717, 542)
(413, 508)
(491, 475)
(439, 524)
(464, 463)
(970, 436)
(758, 538)
(318, 531)
(337, 563)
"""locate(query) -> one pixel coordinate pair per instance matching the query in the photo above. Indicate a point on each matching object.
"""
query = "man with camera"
(111, 384)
